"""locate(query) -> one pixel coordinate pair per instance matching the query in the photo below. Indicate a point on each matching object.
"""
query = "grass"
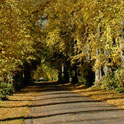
(97, 93)
(19, 121)
(17, 106)
(8, 113)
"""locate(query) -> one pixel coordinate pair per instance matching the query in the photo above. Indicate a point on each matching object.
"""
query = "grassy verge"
(97, 93)
(16, 107)
(19, 121)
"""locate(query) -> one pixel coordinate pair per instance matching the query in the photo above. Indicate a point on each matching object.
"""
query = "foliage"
(19, 41)
(15, 41)
(6, 89)
(119, 78)
(108, 82)
(82, 79)
(120, 90)
(114, 81)
(46, 72)
(60, 32)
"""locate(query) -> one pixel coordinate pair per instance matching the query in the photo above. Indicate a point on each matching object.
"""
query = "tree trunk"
(90, 77)
(74, 75)
(97, 76)
(27, 74)
(105, 70)
(60, 75)
(66, 77)
(66, 73)
(18, 80)
(97, 71)
(122, 51)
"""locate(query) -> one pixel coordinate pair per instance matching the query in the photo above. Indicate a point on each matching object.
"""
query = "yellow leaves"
(116, 55)
(16, 42)
(62, 47)
(4, 69)
(53, 36)
(100, 61)
(93, 24)
(78, 57)
(74, 28)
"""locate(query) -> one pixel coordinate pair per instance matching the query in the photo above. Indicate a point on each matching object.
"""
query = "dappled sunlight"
(52, 101)
(17, 106)
(19, 121)
(61, 57)
(97, 93)
(7, 113)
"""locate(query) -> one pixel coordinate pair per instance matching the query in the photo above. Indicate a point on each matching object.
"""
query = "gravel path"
(55, 105)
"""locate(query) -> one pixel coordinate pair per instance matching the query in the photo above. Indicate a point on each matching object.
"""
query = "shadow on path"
(54, 104)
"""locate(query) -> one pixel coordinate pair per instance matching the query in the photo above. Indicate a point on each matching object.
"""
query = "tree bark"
(97, 76)
(27, 74)
(60, 74)
(90, 77)
(18, 80)
(74, 75)
(122, 50)
(97, 71)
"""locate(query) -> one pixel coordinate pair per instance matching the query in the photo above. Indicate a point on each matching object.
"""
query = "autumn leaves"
(74, 33)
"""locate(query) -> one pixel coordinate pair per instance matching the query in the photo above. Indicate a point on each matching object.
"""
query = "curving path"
(55, 105)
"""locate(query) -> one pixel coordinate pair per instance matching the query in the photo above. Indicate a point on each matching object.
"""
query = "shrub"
(114, 81)
(5, 89)
(108, 82)
(119, 78)
(120, 90)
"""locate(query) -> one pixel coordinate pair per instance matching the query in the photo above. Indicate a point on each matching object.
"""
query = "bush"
(108, 82)
(115, 81)
(119, 78)
(5, 89)
(120, 90)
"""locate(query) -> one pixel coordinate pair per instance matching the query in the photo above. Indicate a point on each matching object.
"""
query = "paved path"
(55, 105)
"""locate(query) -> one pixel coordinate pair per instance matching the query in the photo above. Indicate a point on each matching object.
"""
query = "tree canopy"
(74, 37)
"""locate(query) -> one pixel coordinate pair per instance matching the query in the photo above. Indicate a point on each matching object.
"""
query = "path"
(55, 105)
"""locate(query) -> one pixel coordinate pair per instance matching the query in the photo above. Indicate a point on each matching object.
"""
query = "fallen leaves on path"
(17, 106)
(97, 93)
(19, 121)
